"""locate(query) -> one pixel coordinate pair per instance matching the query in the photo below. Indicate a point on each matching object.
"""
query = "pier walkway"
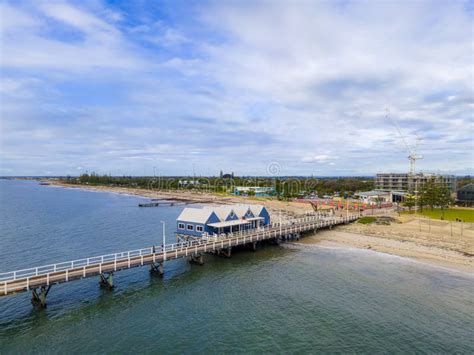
(39, 279)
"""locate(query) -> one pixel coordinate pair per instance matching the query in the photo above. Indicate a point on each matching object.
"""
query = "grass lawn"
(367, 220)
(466, 215)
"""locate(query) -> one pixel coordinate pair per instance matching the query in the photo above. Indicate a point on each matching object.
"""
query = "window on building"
(199, 228)
(190, 227)
(180, 225)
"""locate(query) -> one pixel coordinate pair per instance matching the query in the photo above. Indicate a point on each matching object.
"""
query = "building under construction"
(405, 182)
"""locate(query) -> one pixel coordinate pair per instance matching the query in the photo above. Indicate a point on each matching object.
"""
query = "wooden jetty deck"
(157, 203)
(40, 279)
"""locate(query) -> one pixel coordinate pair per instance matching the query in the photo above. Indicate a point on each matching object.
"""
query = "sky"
(256, 87)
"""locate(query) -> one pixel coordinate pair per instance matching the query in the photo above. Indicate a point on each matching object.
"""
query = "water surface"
(292, 299)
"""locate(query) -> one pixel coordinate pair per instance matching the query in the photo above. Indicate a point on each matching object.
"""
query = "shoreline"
(398, 239)
(429, 255)
(328, 245)
(124, 190)
(289, 207)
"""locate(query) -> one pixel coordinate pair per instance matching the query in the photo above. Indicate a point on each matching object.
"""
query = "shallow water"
(293, 299)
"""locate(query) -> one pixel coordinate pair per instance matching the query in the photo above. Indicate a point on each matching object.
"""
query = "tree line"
(434, 193)
(284, 187)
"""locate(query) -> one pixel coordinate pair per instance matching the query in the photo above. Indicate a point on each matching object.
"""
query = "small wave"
(401, 259)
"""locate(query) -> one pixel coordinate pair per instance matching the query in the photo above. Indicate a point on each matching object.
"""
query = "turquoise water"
(288, 299)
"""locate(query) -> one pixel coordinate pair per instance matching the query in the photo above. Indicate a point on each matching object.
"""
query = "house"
(185, 183)
(259, 191)
(195, 221)
(465, 195)
(221, 219)
(372, 197)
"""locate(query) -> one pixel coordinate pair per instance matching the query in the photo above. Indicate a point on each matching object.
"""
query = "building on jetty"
(40, 279)
(196, 222)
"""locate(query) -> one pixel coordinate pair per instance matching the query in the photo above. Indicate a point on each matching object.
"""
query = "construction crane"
(412, 150)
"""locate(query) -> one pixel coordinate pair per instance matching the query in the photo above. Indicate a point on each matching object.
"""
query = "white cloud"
(322, 158)
(244, 83)
(26, 45)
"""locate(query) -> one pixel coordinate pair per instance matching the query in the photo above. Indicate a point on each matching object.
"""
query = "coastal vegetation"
(433, 194)
(284, 187)
(380, 220)
(367, 220)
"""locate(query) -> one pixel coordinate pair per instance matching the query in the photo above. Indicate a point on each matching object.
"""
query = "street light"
(164, 241)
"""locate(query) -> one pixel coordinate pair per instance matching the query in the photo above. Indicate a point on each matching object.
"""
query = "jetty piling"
(39, 280)
(107, 280)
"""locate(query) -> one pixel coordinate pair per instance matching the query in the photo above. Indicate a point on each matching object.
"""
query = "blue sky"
(120, 87)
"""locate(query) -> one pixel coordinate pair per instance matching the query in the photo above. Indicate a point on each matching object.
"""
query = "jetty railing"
(120, 256)
(137, 257)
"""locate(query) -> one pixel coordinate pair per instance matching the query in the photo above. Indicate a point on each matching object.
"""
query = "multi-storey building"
(407, 182)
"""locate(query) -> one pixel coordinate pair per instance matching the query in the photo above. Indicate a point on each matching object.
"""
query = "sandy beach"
(289, 208)
(435, 247)
(441, 243)
(426, 254)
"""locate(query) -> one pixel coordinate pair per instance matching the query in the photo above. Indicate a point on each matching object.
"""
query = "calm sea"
(287, 299)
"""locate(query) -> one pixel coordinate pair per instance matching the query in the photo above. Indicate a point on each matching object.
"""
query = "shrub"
(367, 220)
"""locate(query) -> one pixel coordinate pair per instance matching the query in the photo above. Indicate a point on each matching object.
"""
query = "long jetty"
(39, 279)
(169, 203)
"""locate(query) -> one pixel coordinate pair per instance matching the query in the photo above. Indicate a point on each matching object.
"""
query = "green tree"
(429, 194)
(278, 188)
(286, 191)
(84, 178)
(410, 201)
(444, 199)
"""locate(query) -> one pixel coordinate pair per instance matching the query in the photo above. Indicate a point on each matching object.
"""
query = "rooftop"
(235, 222)
(468, 187)
(196, 215)
(202, 215)
(371, 193)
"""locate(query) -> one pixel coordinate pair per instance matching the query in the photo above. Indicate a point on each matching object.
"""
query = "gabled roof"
(241, 210)
(195, 215)
(221, 211)
(257, 209)
(202, 215)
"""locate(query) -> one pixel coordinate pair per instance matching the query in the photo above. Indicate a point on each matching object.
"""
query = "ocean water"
(292, 298)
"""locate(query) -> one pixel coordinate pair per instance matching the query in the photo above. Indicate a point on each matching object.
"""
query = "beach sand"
(441, 243)
(432, 251)
(289, 208)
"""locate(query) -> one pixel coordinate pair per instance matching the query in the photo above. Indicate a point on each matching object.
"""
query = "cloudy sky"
(273, 87)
